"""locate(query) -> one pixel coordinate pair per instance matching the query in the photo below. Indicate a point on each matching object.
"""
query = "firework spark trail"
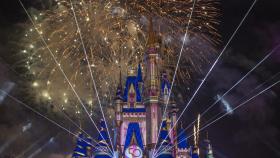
(91, 74)
(60, 68)
(238, 82)
(115, 36)
(45, 117)
(175, 72)
(237, 107)
(214, 64)
(248, 94)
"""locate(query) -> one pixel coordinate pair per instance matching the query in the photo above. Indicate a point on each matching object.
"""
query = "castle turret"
(140, 78)
(164, 146)
(152, 88)
(152, 63)
(83, 147)
(118, 114)
(182, 145)
(102, 148)
(173, 110)
(195, 152)
(209, 150)
(118, 102)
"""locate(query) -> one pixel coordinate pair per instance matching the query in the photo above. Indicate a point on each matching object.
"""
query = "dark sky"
(251, 132)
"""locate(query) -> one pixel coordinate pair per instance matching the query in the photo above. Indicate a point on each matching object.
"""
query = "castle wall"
(129, 118)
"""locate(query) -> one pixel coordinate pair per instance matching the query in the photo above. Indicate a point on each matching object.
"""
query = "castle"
(139, 130)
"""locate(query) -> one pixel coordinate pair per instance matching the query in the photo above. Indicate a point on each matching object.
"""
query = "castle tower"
(183, 149)
(173, 110)
(152, 85)
(118, 114)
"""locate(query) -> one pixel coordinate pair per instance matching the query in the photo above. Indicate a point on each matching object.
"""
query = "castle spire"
(152, 37)
(102, 148)
(82, 147)
(209, 150)
(119, 88)
(165, 141)
(151, 33)
(120, 79)
(139, 73)
(182, 139)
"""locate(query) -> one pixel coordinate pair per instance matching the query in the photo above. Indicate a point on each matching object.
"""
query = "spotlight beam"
(43, 116)
(60, 68)
(237, 107)
(91, 74)
(213, 65)
(248, 94)
(238, 82)
(176, 68)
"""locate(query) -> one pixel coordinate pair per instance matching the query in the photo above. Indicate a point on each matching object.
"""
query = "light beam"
(214, 64)
(91, 74)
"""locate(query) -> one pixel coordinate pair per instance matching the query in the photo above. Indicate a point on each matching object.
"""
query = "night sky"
(253, 131)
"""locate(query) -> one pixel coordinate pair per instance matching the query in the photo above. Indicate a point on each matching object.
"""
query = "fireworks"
(176, 13)
(114, 34)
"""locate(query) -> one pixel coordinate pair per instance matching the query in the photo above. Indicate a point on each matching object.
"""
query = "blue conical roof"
(139, 74)
(103, 137)
(195, 155)
(82, 146)
(102, 149)
(164, 142)
(182, 139)
(164, 138)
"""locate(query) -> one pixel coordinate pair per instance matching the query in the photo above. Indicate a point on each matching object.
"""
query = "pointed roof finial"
(139, 73)
(120, 79)
(119, 88)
